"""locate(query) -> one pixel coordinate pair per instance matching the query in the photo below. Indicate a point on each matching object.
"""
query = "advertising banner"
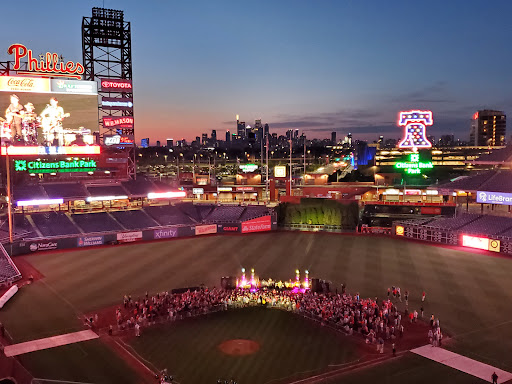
(481, 243)
(42, 245)
(77, 87)
(127, 237)
(116, 85)
(45, 166)
(245, 189)
(118, 122)
(257, 225)
(24, 84)
(115, 103)
(88, 241)
(206, 229)
(228, 228)
(485, 197)
(118, 140)
(165, 233)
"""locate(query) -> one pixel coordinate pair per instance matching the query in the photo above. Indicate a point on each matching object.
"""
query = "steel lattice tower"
(107, 54)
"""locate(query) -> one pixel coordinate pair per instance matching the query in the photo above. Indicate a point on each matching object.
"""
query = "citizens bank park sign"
(40, 166)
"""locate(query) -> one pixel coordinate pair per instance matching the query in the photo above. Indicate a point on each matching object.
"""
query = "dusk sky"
(318, 66)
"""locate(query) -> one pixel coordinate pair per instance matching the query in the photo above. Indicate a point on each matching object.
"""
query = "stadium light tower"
(291, 148)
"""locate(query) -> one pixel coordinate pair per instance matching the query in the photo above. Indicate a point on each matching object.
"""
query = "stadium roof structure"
(493, 181)
(501, 157)
(82, 190)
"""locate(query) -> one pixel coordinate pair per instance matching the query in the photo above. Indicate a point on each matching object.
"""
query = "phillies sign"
(115, 122)
(48, 64)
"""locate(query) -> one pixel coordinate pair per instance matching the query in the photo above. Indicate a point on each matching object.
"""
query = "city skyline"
(333, 66)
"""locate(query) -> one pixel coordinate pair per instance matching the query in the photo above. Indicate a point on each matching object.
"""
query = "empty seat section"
(227, 213)
(168, 215)
(96, 222)
(54, 224)
(134, 219)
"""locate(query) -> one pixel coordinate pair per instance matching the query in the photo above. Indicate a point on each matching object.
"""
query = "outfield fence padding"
(444, 236)
(25, 246)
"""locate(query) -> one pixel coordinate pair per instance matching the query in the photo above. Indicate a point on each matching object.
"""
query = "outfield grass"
(87, 362)
(407, 369)
(289, 344)
(469, 292)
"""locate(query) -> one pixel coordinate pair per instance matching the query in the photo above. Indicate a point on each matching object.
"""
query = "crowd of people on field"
(376, 320)
(434, 334)
(148, 309)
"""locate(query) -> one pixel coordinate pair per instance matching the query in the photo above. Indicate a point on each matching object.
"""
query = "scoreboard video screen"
(48, 112)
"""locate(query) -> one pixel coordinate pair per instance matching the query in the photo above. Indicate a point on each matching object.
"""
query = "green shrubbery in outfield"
(319, 212)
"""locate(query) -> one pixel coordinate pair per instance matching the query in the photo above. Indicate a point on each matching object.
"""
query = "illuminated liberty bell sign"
(415, 123)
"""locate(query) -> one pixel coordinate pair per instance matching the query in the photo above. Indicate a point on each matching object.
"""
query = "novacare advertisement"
(88, 241)
(126, 237)
(257, 225)
(206, 229)
(42, 246)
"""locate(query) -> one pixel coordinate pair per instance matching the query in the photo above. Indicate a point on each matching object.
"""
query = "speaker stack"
(319, 286)
(228, 282)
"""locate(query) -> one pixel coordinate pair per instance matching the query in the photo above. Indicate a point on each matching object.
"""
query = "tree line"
(320, 212)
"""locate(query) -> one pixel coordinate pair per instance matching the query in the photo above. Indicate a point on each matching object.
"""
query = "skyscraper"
(488, 127)
(258, 129)
(240, 128)
(266, 130)
(214, 136)
(170, 143)
(228, 137)
(204, 138)
(333, 138)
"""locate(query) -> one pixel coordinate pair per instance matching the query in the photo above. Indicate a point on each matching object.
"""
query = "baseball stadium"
(108, 275)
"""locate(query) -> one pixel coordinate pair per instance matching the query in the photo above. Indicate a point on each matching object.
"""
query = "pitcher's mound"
(239, 347)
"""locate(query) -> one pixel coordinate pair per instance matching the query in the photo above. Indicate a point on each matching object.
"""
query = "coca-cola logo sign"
(24, 84)
(20, 82)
